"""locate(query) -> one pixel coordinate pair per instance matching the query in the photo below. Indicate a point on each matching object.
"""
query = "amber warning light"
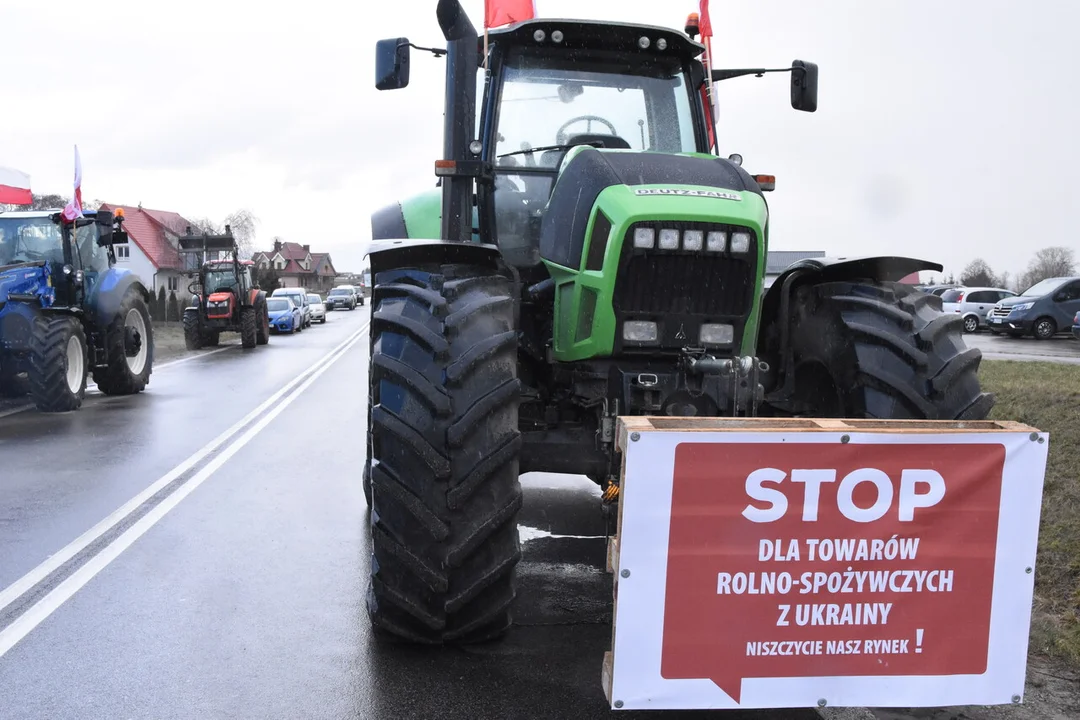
(693, 24)
(767, 182)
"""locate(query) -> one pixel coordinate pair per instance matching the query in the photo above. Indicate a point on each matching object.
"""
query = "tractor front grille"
(685, 284)
(701, 280)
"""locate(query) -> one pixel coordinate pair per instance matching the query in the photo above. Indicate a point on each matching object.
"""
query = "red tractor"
(224, 298)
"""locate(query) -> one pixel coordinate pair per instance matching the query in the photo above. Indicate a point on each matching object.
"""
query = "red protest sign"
(814, 560)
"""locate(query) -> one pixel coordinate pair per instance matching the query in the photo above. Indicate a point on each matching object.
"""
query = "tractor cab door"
(546, 103)
(87, 256)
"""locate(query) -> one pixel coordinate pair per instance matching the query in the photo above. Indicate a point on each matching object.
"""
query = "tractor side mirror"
(804, 75)
(392, 64)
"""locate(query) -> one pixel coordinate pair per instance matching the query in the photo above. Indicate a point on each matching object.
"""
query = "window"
(174, 283)
(983, 296)
(123, 252)
(1070, 292)
(952, 296)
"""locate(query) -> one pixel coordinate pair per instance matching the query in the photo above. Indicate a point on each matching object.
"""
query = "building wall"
(138, 263)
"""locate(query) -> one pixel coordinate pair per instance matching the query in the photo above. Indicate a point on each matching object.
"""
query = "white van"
(299, 296)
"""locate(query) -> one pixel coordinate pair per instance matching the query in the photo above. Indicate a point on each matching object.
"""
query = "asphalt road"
(199, 550)
(1060, 349)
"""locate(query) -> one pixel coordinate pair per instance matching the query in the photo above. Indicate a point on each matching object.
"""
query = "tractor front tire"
(193, 337)
(130, 359)
(58, 359)
(445, 449)
(249, 327)
(883, 351)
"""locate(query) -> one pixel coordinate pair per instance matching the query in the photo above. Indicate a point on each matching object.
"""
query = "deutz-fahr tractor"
(224, 298)
(65, 309)
(589, 256)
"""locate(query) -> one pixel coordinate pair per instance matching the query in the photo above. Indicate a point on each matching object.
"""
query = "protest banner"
(798, 563)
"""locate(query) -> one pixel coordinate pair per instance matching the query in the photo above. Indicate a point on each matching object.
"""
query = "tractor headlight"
(717, 334)
(644, 238)
(669, 239)
(640, 331)
(740, 242)
(693, 239)
(716, 241)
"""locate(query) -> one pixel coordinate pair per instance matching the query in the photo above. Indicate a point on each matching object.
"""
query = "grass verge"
(168, 342)
(1047, 396)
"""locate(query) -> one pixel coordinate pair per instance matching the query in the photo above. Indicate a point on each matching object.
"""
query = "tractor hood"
(220, 297)
(26, 280)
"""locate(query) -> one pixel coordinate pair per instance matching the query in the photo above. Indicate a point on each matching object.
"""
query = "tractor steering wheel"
(561, 137)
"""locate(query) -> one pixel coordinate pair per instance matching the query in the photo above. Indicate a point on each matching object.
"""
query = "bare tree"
(1049, 262)
(205, 225)
(243, 223)
(977, 274)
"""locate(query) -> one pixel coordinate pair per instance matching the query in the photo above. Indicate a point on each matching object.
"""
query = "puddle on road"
(530, 533)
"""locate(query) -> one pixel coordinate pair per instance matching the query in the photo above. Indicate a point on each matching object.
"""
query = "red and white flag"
(704, 21)
(505, 12)
(14, 187)
(74, 208)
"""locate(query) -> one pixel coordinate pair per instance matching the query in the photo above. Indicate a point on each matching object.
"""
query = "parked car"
(318, 308)
(972, 304)
(341, 298)
(936, 289)
(1076, 325)
(285, 316)
(356, 293)
(1043, 310)
(299, 296)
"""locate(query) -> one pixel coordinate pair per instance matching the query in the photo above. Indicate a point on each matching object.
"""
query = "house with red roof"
(297, 266)
(151, 251)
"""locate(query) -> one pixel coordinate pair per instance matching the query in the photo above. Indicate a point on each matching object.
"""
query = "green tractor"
(589, 256)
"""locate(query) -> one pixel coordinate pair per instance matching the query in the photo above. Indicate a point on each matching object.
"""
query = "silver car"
(973, 303)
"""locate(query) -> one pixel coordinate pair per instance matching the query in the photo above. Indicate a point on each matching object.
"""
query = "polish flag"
(505, 12)
(14, 187)
(74, 208)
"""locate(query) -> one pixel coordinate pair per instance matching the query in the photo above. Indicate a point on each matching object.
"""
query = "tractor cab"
(66, 259)
(552, 87)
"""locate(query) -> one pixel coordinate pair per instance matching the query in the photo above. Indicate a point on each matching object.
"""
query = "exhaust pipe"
(459, 117)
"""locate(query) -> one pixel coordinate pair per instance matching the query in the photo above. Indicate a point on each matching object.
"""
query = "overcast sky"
(944, 130)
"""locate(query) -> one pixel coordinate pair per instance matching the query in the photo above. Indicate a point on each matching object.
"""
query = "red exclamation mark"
(918, 640)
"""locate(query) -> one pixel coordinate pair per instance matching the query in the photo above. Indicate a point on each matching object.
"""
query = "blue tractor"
(66, 311)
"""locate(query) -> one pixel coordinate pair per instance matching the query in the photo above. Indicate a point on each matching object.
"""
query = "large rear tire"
(444, 484)
(883, 351)
(249, 327)
(129, 343)
(58, 360)
(263, 317)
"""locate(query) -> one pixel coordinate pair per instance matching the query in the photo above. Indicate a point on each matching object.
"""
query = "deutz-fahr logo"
(690, 193)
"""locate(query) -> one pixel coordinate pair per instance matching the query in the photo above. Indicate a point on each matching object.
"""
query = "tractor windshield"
(30, 239)
(547, 101)
(220, 280)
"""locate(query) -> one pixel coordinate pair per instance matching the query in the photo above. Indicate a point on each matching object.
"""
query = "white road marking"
(16, 410)
(92, 386)
(45, 607)
(53, 562)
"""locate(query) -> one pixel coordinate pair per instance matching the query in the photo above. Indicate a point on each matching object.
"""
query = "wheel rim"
(971, 324)
(135, 322)
(75, 365)
(1044, 329)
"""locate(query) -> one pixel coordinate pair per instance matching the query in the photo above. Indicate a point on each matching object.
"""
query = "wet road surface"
(238, 589)
(1059, 349)
(232, 584)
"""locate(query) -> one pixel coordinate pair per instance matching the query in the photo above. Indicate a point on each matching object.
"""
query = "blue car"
(285, 316)
(1076, 325)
